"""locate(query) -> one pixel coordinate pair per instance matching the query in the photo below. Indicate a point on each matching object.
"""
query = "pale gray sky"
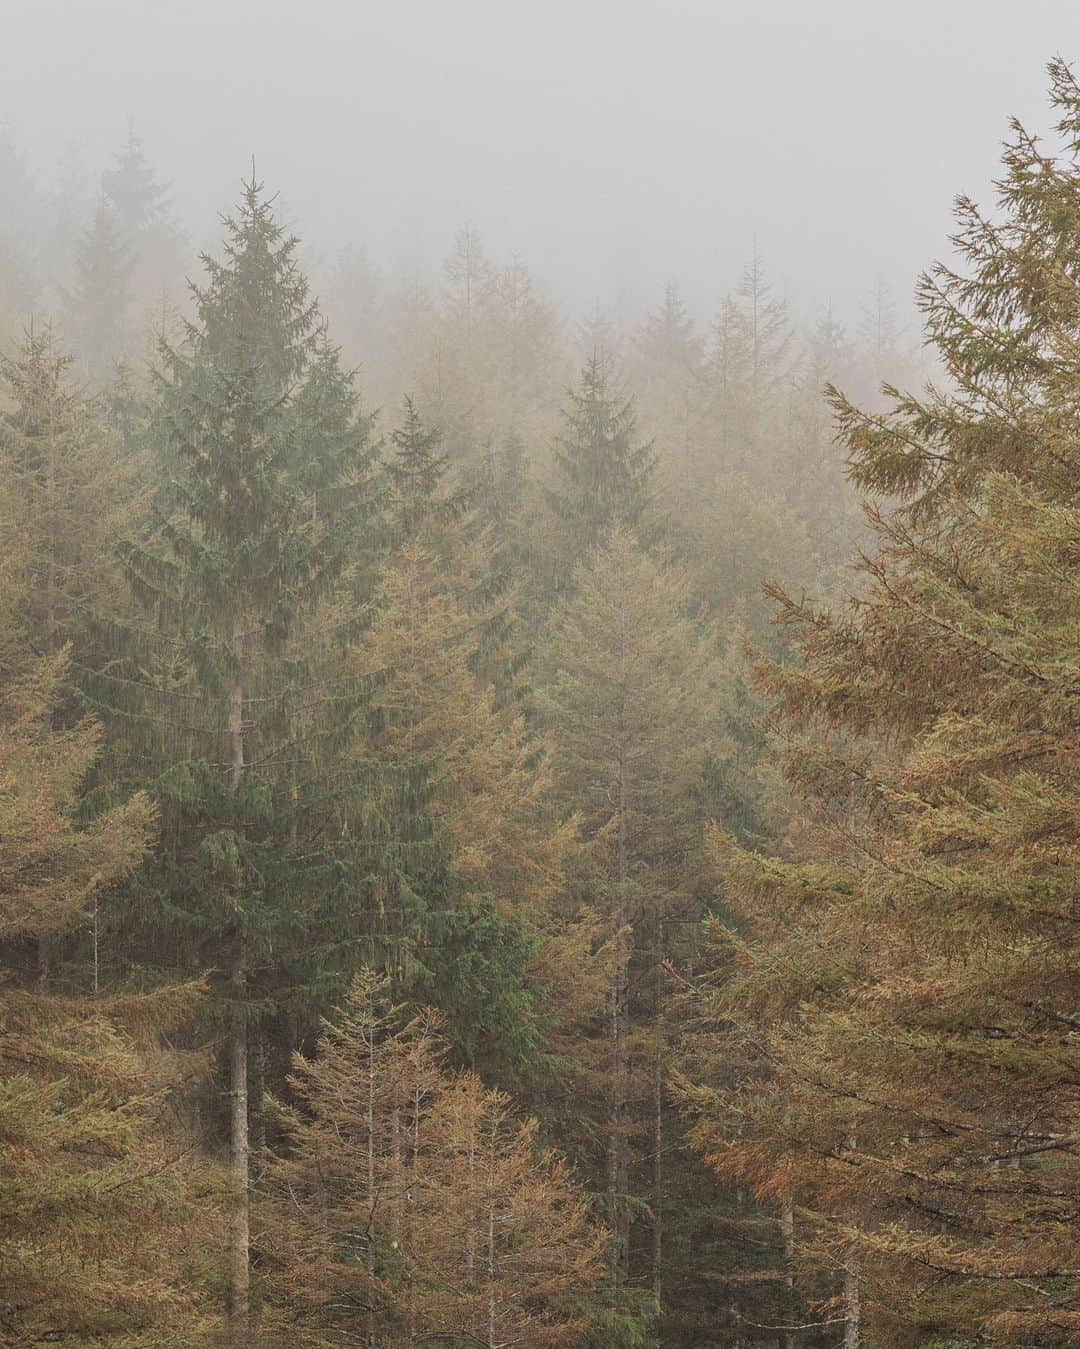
(612, 143)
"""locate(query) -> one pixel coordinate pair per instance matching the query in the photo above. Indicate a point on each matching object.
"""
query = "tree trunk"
(239, 1149)
(240, 1271)
(852, 1337)
(492, 1343)
(257, 1093)
(787, 1226)
(658, 1178)
(618, 1166)
(658, 1116)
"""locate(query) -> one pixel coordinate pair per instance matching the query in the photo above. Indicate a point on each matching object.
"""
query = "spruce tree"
(144, 220)
(629, 703)
(668, 344)
(96, 309)
(604, 475)
(20, 281)
(417, 469)
(68, 495)
(239, 690)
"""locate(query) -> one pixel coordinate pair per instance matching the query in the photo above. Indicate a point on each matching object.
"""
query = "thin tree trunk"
(787, 1226)
(239, 1149)
(239, 1146)
(658, 1117)
(370, 1253)
(94, 935)
(618, 1168)
(257, 1092)
(852, 1336)
(658, 1179)
(491, 1272)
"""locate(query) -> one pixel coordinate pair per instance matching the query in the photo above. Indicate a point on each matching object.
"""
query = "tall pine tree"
(237, 686)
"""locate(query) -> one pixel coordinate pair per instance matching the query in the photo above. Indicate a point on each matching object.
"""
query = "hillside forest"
(524, 828)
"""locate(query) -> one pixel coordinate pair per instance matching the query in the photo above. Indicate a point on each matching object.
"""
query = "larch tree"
(465, 785)
(414, 1204)
(96, 1194)
(907, 988)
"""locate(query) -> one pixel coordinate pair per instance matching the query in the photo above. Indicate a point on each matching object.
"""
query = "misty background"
(613, 146)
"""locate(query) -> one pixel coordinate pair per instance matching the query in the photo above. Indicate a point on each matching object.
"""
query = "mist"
(614, 147)
(539, 674)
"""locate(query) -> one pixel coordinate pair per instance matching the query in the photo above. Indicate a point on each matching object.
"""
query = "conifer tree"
(907, 989)
(604, 476)
(524, 334)
(96, 309)
(417, 470)
(415, 1204)
(669, 379)
(267, 490)
(668, 341)
(468, 792)
(628, 700)
(67, 494)
(95, 1192)
(144, 220)
(19, 279)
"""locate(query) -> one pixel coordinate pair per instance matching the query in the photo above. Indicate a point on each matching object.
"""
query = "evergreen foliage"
(604, 474)
(438, 903)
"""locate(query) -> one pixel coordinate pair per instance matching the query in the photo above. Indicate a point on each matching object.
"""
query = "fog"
(539, 784)
(614, 146)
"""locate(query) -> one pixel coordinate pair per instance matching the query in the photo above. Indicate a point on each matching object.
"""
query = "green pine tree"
(97, 308)
(234, 692)
(604, 475)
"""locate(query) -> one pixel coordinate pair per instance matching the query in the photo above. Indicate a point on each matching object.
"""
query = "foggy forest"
(539, 675)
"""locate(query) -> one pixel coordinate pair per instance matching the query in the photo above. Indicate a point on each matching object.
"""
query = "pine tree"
(906, 990)
(67, 496)
(19, 279)
(240, 695)
(145, 224)
(96, 309)
(628, 701)
(603, 474)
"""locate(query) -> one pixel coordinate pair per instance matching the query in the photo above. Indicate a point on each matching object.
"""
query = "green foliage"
(473, 966)
(605, 477)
